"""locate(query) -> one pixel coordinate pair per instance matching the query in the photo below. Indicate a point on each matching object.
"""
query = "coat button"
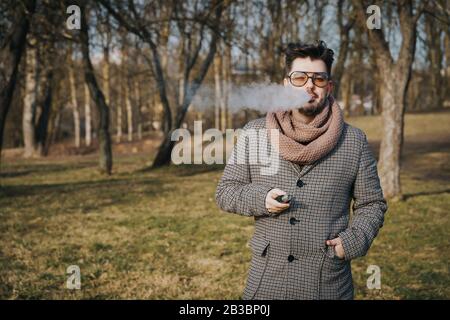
(292, 220)
(291, 258)
(299, 183)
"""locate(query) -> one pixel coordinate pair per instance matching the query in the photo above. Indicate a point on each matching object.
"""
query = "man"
(303, 249)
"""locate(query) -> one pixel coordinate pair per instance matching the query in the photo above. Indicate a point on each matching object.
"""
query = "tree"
(395, 78)
(345, 25)
(147, 22)
(45, 103)
(74, 102)
(87, 116)
(435, 55)
(105, 159)
(11, 50)
(30, 98)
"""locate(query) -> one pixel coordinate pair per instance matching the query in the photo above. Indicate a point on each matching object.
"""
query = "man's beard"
(317, 109)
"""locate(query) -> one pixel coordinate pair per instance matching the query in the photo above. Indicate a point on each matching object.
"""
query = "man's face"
(318, 95)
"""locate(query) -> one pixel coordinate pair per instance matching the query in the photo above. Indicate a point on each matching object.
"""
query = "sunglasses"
(299, 78)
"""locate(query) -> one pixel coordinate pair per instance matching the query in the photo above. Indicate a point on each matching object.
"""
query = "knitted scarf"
(303, 143)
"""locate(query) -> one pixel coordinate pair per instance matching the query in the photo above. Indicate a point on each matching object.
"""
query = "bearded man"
(302, 249)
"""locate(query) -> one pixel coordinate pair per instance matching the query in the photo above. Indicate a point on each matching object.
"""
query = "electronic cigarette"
(284, 199)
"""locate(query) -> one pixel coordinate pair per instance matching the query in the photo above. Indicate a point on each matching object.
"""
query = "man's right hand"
(272, 205)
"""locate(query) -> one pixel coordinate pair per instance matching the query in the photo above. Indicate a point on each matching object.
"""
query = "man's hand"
(338, 248)
(272, 205)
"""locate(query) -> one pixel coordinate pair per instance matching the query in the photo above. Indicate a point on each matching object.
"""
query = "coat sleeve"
(369, 207)
(236, 193)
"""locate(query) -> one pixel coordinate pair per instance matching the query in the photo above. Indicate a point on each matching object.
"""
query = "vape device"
(284, 199)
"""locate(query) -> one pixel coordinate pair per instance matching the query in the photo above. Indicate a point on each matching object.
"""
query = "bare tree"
(105, 159)
(393, 87)
(345, 23)
(217, 90)
(45, 102)
(87, 116)
(129, 109)
(74, 102)
(11, 49)
(433, 29)
(30, 97)
(145, 21)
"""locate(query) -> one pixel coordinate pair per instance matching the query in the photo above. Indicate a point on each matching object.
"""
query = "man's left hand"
(338, 248)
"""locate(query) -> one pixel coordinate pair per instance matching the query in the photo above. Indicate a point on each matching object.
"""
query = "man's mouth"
(313, 98)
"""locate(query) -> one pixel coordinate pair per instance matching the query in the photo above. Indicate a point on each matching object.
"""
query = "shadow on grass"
(85, 195)
(414, 148)
(15, 174)
(183, 170)
(430, 193)
(12, 171)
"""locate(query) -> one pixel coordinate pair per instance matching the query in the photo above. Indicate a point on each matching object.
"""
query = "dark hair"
(315, 51)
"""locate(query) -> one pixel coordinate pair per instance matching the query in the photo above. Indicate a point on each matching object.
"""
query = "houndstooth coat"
(290, 258)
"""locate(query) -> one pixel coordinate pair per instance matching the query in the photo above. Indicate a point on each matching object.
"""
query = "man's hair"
(315, 51)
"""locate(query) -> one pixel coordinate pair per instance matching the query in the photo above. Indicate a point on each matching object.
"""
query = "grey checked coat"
(290, 259)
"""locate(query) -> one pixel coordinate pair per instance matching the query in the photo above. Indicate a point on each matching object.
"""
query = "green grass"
(159, 235)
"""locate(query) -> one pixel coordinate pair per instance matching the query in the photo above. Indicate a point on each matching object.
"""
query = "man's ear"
(285, 82)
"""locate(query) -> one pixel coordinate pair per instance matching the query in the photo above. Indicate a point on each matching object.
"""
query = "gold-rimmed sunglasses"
(299, 78)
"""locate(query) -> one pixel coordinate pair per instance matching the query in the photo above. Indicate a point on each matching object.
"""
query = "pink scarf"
(303, 143)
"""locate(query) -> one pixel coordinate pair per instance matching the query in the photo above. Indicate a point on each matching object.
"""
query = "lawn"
(159, 235)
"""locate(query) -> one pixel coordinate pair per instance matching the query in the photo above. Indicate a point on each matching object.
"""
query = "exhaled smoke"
(262, 97)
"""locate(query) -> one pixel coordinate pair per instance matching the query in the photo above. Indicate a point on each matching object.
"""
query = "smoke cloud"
(262, 97)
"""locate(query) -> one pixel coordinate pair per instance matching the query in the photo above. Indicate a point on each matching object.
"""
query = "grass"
(159, 234)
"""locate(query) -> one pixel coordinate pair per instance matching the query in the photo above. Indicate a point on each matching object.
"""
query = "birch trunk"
(29, 101)
(137, 94)
(224, 91)
(87, 116)
(74, 106)
(217, 91)
(129, 113)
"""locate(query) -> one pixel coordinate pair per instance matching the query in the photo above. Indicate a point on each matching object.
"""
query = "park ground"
(158, 234)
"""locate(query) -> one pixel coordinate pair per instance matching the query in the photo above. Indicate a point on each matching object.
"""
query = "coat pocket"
(260, 250)
(336, 278)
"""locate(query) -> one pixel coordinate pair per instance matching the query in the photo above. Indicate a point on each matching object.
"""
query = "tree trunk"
(393, 102)
(396, 76)
(11, 50)
(56, 125)
(87, 116)
(42, 123)
(376, 96)
(129, 112)
(228, 68)
(435, 56)
(346, 89)
(217, 91)
(224, 91)
(74, 107)
(137, 95)
(119, 118)
(29, 101)
(104, 139)
(106, 69)
(344, 43)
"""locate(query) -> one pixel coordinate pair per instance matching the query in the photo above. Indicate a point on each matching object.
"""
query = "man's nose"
(309, 85)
